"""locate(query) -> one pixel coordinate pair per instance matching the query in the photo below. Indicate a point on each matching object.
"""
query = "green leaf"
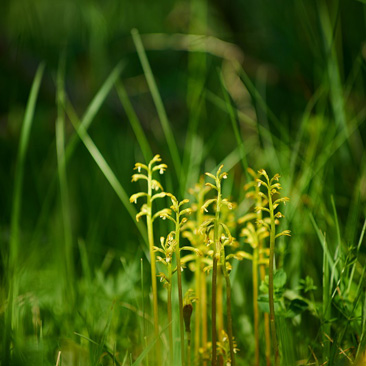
(264, 286)
(279, 279)
(263, 303)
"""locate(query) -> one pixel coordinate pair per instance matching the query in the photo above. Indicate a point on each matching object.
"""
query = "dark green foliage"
(285, 92)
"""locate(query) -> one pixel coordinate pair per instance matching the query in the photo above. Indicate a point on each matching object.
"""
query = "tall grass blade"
(12, 280)
(197, 75)
(173, 148)
(264, 114)
(362, 343)
(358, 249)
(148, 348)
(234, 123)
(337, 224)
(64, 195)
(326, 313)
(95, 105)
(334, 78)
(87, 118)
(105, 168)
(19, 173)
(134, 121)
(258, 99)
(322, 240)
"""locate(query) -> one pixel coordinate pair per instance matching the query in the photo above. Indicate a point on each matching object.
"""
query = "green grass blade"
(173, 148)
(11, 318)
(196, 79)
(322, 240)
(238, 137)
(358, 249)
(144, 353)
(86, 121)
(337, 224)
(258, 99)
(105, 168)
(193, 147)
(84, 262)
(64, 195)
(19, 174)
(362, 343)
(242, 117)
(220, 103)
(326, 311)
(334, 78)
(134, 121)
(95, 105)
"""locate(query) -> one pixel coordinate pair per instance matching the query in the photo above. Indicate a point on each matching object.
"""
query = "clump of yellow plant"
(269, 206)
(146, 172)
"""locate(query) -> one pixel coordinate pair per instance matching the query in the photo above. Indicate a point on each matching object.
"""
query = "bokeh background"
(294, 74)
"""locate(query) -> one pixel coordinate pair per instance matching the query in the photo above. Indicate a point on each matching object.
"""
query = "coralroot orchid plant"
(208, 226)
(254, 234)
(178, 222)
(220, 238)
(167, 250)
(145, 172)
(272, 190)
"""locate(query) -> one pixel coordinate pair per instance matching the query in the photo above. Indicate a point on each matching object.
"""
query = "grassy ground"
(75, 263)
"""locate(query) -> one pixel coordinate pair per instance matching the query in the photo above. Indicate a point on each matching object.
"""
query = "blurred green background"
(295, 75)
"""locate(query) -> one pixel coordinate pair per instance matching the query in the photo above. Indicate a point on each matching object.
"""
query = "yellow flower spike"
(215, 227)
(153, 185)
(270, 224)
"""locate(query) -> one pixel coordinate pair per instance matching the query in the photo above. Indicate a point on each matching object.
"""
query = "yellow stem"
(153, 266)
(270, 275)
(180, 291)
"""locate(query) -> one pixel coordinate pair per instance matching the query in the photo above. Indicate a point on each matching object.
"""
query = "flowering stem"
(213, 315)
(197, 319)
(170, 318)
(219, 307)
(262, 270)
(200, 320)
(153, 264)
(189, 334)
(204, 311)
(180, 292)
(255, 303)
(270, 281)
(267, 332)
(217, 247)
(228, 306)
